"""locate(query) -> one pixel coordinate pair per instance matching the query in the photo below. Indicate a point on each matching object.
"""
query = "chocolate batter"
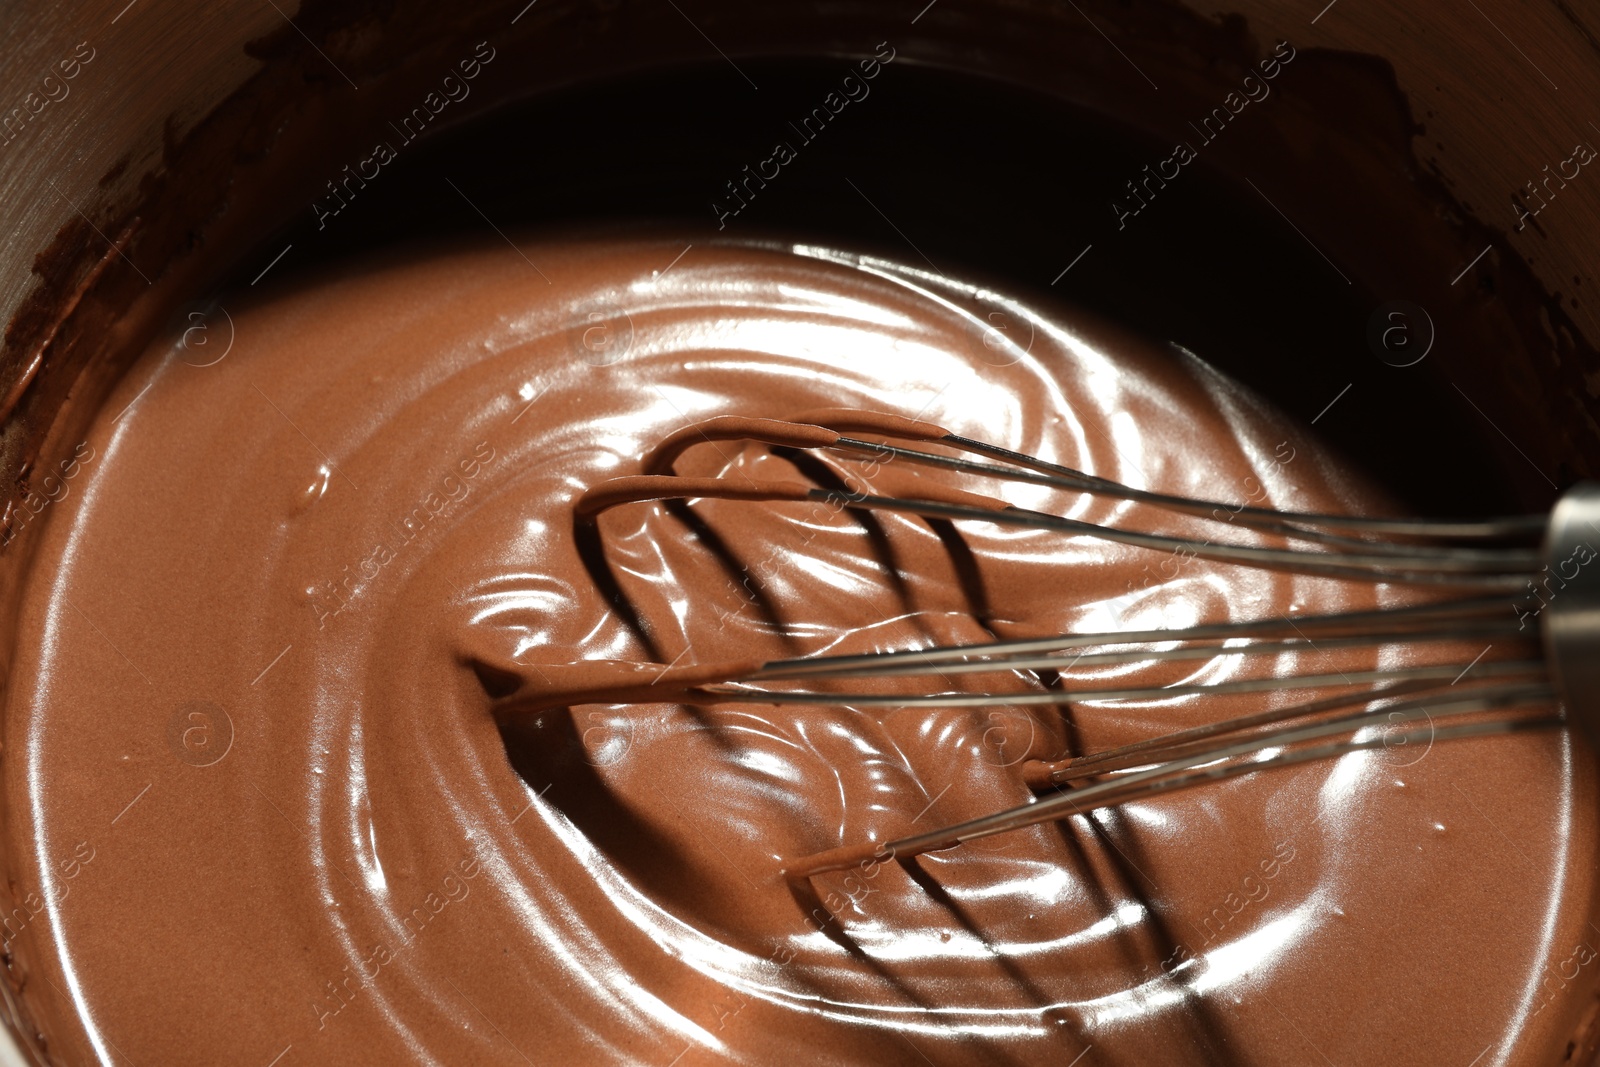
(272, 814)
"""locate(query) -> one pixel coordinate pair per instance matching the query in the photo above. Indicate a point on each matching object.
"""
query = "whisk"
(1542, 561)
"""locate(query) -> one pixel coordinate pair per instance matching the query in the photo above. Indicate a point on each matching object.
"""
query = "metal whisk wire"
(1491, 553)
(1257, 753)
(1516, 694)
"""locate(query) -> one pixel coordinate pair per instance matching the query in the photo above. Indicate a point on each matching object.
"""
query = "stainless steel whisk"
(1545, 558)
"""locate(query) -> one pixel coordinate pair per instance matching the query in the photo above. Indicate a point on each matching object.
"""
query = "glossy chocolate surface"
(250, 737)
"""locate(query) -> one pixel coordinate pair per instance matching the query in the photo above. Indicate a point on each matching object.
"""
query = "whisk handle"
(1569, 589)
